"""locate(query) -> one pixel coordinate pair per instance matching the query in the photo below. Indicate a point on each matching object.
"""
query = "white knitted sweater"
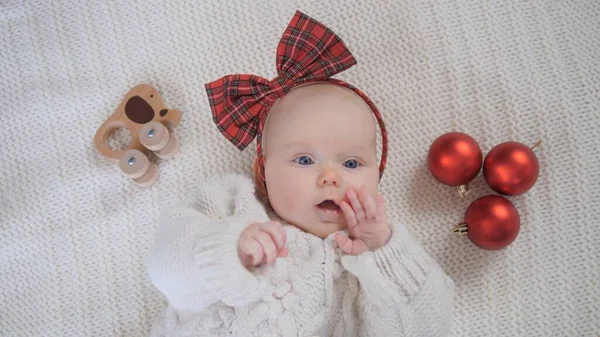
(397, 290)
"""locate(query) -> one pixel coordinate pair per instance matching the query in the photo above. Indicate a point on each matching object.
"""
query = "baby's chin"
(322, 230)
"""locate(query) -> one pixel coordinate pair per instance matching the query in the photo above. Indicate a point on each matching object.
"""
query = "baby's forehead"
(318, 100)
(321, 92)
(322, 113)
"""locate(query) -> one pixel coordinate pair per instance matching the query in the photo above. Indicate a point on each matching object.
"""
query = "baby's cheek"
(284, 200)
(373, 190)
(370, 182)
(293, 195)
(291, 202)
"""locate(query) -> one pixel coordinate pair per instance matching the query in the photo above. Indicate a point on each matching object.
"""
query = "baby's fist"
(262, 243)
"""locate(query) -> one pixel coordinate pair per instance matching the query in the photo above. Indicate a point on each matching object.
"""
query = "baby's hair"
(261, 192)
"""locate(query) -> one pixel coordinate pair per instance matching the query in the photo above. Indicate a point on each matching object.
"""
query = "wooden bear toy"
(145, 115)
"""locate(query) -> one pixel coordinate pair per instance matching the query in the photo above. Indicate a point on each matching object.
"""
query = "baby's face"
(319, 140)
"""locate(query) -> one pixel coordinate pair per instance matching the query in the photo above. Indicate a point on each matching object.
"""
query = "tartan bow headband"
(307, 52)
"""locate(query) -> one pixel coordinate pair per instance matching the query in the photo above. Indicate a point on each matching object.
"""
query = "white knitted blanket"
(74, 231)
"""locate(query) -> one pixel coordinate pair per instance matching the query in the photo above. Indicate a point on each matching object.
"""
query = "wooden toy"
(134, 164)
(143, 112)
(156, 137)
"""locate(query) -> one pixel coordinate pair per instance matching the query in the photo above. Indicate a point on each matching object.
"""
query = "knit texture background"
(74, 232)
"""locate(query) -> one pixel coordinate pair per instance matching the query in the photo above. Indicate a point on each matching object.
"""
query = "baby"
(306, 248)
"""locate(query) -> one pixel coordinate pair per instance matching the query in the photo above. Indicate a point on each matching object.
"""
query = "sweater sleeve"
(402, 278)
(193, 261)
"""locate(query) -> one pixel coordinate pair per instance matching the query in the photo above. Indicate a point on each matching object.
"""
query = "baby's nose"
(329, 178)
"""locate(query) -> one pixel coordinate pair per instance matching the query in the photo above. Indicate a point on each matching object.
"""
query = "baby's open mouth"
(329, 205)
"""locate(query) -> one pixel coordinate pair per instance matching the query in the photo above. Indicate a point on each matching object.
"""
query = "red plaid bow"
(307, 52)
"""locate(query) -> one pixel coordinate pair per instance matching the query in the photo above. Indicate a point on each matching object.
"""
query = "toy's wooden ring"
(103, 136)
(154, 136)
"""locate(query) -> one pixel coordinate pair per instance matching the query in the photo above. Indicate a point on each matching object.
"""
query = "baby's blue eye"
(304, 160)
(351, 163)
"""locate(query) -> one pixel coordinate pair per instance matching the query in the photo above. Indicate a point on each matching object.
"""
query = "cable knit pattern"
(196, 258)
(75, 233)
(304, 294)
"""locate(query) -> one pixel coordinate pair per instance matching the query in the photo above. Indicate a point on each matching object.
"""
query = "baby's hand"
(262, 243)
(367, 223)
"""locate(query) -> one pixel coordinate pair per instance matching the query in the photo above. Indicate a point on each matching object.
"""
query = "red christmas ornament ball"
(492, 222)
(511, 168)
(454, 158)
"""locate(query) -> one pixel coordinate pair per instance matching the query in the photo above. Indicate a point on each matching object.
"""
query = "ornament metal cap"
(461, 229)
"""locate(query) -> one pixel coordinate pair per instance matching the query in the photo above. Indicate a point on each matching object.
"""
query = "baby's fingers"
(368, 202)
(351, 220)
(356, 204)
(283, 252)
(350, 246)
(380, 202)
(277, 233)
(251, 252)
(268, 246)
